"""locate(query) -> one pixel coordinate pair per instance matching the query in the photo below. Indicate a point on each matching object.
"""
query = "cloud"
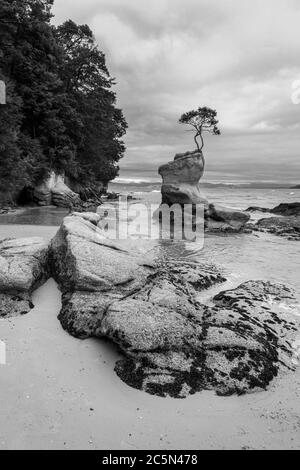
(169, 56)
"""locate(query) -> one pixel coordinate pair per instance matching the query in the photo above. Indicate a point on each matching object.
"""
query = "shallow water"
(241, 257)
(44, 216)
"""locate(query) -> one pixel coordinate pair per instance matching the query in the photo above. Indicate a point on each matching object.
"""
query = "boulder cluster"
(283, 220)
(150, 307)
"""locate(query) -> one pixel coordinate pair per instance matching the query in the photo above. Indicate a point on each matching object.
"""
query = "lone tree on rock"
(202, 120)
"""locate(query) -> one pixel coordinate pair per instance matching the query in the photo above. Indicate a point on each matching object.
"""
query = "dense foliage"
(61, 110)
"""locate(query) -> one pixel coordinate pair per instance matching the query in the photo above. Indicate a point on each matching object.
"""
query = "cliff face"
(55, 191)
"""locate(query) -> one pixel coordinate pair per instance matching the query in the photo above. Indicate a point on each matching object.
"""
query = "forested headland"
(60, 113)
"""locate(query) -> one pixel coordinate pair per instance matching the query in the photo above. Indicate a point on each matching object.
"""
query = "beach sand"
(58, 392)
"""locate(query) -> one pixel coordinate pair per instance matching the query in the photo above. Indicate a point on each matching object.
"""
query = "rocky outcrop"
(86, 192)
(236, 346)
(7, 210)
(42, 194)
(291, 209)
(85, 260)
(86, 264)
(223, 219)
(63, 196)
(258, 336)
(181, 185)
(181, 179)
(287, 227)
(286, 223)
(172, 344)
(257, 209)
(55, 191)
(23, 268)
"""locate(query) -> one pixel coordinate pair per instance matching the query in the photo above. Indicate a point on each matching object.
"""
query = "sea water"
(240, 257)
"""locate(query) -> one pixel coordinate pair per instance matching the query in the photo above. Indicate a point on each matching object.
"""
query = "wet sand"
(57, 392)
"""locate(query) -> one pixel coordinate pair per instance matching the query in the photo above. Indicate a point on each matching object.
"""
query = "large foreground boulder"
(181, 179)
(23, 268)
(236, 346)
(94, 271)
(83, 259)
(172, 344)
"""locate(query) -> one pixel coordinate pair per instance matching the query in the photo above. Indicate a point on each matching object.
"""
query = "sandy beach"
(149, 227)
(58, 392)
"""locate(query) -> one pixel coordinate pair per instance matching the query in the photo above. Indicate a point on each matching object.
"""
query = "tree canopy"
(61, 109)
(201, 120)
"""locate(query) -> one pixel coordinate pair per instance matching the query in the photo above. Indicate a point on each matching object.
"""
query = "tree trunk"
(196, 141)
(202, 141)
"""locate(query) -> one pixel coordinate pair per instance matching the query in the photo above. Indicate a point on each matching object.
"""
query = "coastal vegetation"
(201, 120)
(60, 114)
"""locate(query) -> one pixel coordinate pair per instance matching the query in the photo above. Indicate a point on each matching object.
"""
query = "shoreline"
(12, 211)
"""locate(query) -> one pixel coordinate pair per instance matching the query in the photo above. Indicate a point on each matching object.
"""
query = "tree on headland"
(88, 85)
(202, 120)
(61, 112)
(28, 65)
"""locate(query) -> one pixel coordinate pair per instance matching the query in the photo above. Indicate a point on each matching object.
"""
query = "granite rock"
(181, 179)
(23, 268)
(173, 345)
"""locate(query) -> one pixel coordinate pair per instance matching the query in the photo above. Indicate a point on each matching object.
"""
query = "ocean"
(232, 195)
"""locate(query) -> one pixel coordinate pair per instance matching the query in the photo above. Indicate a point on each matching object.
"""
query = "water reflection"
(47, 216)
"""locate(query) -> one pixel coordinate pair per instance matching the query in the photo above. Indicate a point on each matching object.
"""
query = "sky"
(240, 57)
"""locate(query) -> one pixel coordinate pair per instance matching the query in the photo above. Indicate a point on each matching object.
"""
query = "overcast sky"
(240, 57)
